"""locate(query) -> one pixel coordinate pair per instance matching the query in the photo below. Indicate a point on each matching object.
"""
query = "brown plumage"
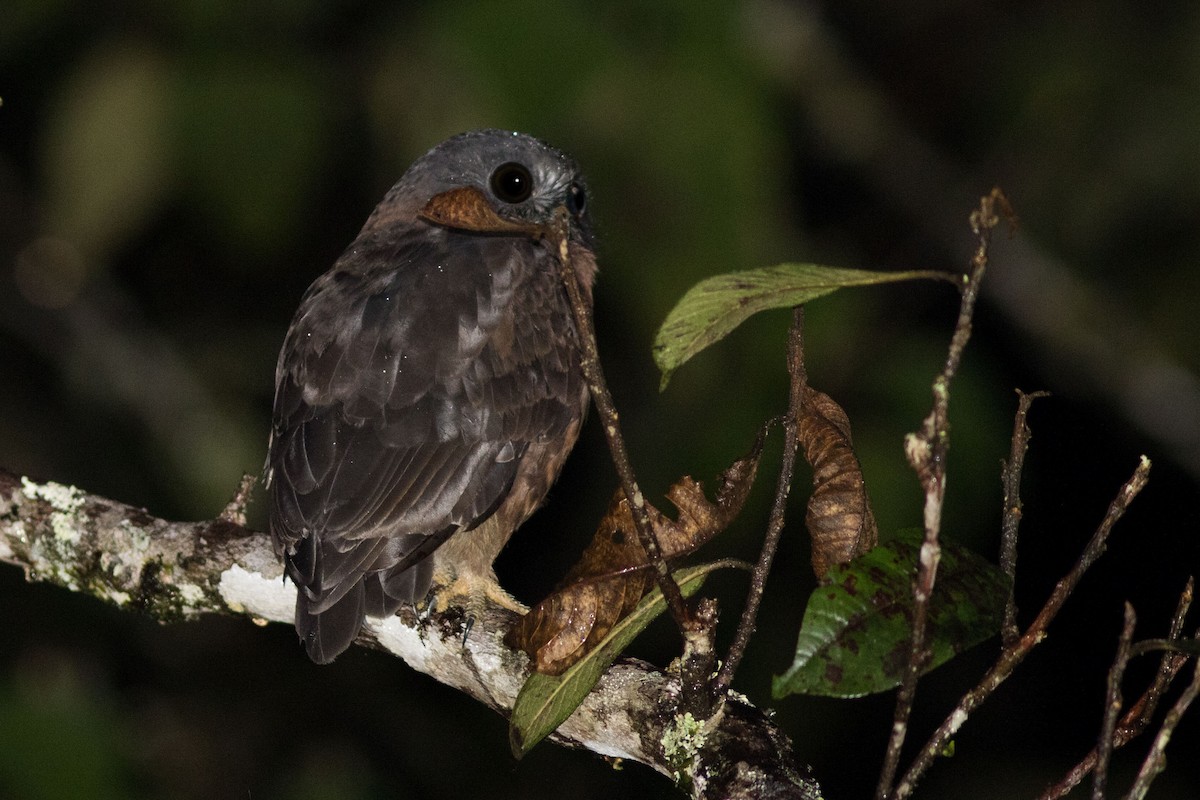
(428, 390)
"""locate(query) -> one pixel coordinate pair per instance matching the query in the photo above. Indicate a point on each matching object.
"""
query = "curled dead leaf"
(614, 571)
(839, 517)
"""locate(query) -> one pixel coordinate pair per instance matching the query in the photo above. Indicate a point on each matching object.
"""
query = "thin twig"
(1011, 480)
(791, 445)
(926, 451)
(1132, 725)
(1011, 656)
(1181, 609)
(1156, 759)
(1137, 717)
(1112, 705)
(1184, 648)
(235, 509)
(609, 419)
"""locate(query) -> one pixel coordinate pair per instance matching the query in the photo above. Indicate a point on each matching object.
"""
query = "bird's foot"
(473, 593)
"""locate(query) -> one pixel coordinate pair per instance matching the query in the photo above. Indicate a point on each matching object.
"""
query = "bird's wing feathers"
(405, 399)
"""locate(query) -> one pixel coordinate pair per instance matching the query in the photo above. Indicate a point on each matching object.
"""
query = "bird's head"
(490, 182)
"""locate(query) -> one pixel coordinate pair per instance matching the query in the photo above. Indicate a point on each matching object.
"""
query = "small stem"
(1156, 759)
(1131, 725)
(609, 419)
(235, 509)
(1137, 717)
(791, 445)
(926, 451)
(1112, 706)
(1011, 480)
(1013, 655)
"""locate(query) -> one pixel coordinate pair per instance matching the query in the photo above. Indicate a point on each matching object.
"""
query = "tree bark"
(177, 571)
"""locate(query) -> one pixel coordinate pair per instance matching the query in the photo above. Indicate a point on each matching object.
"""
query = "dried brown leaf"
(839, 517)
(614, 572)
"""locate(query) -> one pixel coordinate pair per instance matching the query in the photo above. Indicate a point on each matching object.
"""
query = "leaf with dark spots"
(614, 571)
(854, 639)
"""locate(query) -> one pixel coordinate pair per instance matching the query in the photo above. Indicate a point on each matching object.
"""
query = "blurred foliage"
(172, 176)
(45, 708)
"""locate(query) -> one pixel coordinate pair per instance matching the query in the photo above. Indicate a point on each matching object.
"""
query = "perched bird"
(429, 389)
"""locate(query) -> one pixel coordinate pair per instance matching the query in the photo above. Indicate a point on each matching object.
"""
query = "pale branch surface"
(179, 570)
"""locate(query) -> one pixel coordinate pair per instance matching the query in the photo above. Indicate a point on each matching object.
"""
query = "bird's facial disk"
(514, 198)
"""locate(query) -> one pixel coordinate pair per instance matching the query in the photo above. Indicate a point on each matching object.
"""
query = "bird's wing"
(407, 393)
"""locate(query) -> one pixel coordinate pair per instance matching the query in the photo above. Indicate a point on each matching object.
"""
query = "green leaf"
(545, 701)
(714, 307)
(854, 639)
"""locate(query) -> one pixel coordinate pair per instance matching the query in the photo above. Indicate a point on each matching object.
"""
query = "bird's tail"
(326, 634)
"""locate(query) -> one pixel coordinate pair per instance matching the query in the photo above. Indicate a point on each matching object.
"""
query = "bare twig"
(175, 571)
(1155, 760)
(1112, 706)
(698, 630)
(1013, 655)
(1161, 680)
(235, 509)
(926, 451)
(791, 444)
(610, 421)
(1137, 717)
(1177, 647)
(1011, 479)
(1132, 725)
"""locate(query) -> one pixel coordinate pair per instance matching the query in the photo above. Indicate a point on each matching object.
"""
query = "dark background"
(172, 176)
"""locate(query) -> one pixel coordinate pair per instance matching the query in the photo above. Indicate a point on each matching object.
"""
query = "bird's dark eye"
(577, 200)
(512, 182)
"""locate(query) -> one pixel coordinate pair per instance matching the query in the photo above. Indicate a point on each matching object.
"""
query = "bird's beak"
(466, 209)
